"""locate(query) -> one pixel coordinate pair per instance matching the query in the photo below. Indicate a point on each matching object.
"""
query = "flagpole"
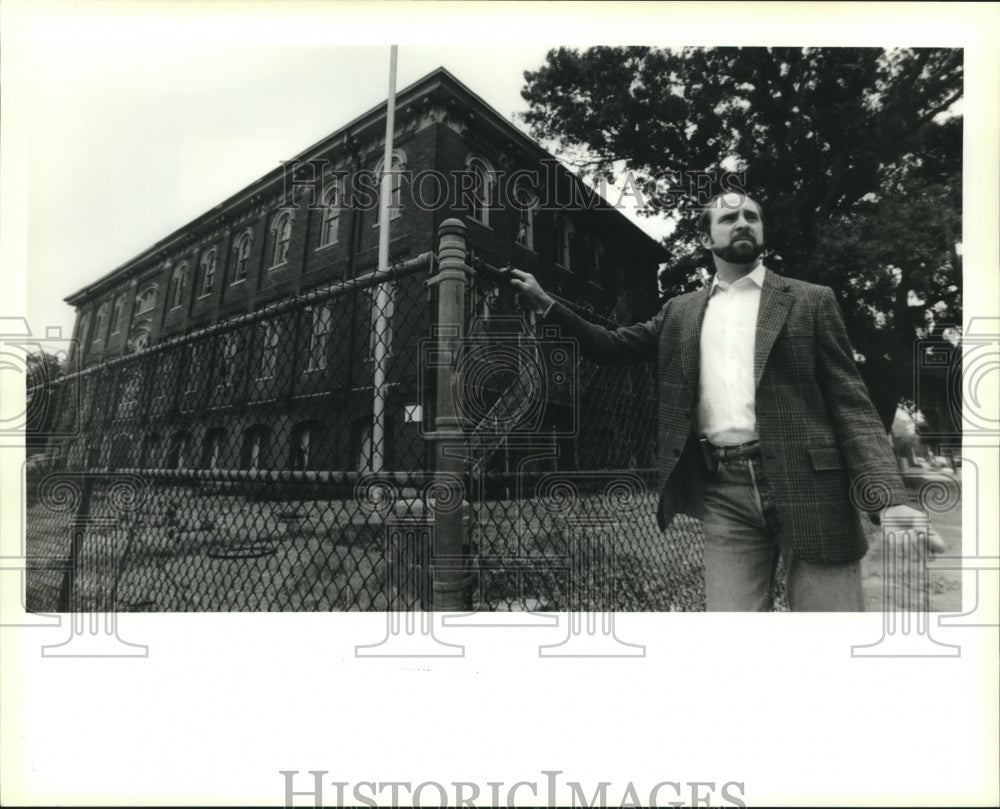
(381, 321)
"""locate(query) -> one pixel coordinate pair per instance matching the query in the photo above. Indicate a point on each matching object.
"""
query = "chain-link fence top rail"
(243, 467)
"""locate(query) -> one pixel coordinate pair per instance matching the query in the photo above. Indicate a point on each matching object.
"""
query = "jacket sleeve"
(623, 346)
(864, 444)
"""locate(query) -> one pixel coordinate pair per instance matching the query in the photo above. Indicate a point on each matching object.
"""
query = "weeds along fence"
(410, 439)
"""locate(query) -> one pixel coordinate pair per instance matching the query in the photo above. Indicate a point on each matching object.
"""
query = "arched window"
(207, 266)
(255, 445)
(211, 453)
(179, 453)
(331, 216)
(242, 250)
(270, 338)
(480, 200)
(303, 449)
(117, 313)
(395, 186)
(128, 402)
(140, 340)
(150, 458)
(178, 281)
(84, 326)
(563, 241)
(145, 301)
(102, 319)
(282, 230)
(319, 335)
(230, 348)
(195, 367)
(119, 450)
(527, 206)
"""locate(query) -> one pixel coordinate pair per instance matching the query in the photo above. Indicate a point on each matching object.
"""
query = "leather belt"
(750, 449)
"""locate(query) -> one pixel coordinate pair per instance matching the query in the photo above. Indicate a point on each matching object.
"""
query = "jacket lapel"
(771, 316)
(694, 314)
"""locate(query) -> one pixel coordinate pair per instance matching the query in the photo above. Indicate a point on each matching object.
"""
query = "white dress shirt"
(726, 412)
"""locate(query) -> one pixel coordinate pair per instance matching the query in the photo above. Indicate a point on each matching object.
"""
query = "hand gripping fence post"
(445, 527)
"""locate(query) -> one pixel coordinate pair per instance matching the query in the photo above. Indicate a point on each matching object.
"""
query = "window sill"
(478, 223)
(328, 245)
(238, 281)
(279, 266)
(526, 248)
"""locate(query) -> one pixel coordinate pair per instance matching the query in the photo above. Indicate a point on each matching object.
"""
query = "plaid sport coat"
(824, 450)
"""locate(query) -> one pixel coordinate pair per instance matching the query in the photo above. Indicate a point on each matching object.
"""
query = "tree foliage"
(41, 399)
(855, 154)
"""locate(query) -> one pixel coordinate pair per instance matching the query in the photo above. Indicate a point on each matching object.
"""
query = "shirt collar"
(757, 277)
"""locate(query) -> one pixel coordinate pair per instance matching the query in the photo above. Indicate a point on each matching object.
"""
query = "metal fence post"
(452, 586)
(78, 528)
(98, 565)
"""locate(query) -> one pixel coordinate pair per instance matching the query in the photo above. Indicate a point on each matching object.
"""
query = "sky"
(136, 124)
(159, 134)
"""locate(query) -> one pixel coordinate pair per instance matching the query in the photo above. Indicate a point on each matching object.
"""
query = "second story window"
(116, 314)
(195, 369)
(482, 189)
(129, 400)
(230, 348)
(282, 229)
(84, 326)
(331, 217)
(207, 273)
(395, 186)
(99, 324)
(319, 337)
(527, 205)
(242, 251)
(563, 241)
(178, 282)
(146, 300)
(270, 337)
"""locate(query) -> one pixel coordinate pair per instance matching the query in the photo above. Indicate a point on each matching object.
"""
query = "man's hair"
(719, 201)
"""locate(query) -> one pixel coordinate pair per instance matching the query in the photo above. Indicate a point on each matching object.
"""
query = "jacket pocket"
(824, 458)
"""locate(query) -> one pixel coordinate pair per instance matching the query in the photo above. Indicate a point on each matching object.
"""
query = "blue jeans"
(743, 541)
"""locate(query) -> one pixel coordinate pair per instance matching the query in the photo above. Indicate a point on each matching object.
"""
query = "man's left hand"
(908, 517)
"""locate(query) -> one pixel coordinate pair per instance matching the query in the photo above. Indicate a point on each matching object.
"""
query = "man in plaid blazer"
(766, 429)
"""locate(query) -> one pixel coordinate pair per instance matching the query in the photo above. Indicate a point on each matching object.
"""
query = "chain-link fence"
(402, 440)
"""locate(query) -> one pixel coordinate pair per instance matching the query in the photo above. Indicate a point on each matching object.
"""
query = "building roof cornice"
(439, 86)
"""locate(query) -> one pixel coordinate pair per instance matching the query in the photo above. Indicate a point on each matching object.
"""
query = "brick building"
(202, 352)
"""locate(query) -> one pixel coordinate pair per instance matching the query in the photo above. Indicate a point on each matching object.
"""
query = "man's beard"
(740, 251)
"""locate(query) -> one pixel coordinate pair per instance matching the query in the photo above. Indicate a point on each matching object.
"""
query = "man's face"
(736, 233)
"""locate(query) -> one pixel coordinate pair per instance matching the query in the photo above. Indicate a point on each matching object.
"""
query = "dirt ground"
(944, 585)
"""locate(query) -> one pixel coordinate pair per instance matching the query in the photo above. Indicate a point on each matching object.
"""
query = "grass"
(187, 550)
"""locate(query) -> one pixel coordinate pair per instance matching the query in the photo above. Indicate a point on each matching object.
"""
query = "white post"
(383, 292)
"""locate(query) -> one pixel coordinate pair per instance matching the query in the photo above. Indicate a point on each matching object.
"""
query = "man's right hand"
(534, 296)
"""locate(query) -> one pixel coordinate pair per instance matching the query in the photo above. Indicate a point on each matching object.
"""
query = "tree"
(855, 154)
(41, 400)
